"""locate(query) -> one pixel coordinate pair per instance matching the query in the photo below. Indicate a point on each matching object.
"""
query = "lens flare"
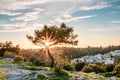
(47, 43)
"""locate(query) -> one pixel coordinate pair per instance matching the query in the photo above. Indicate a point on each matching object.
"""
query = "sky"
(97, 22)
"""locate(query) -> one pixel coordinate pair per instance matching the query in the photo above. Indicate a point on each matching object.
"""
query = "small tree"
(8, 46)
(53, 35)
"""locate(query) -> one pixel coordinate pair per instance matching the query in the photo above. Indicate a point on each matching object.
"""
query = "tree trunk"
(51, 57)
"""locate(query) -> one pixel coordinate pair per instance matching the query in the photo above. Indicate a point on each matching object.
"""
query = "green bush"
(2, 52)
(57, 70)
(47, 68)
(87, 69)
(68, 67)
(64, 73)
(98, 63)
(60, 62)
(24, 59)
(117, 60)
(59, 78)
(96, 68)
(32, 68)
(32, 59)
(9, 54)
(79, 66)
(103, 68)
(116, 70)
(107, 74)
(109, 67)
(43, 77)
(18, 59)
(2, 75)
(36, 61)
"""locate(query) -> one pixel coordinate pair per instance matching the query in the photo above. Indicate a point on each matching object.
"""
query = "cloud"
(38, 25)
(18, 4)
(9, 13)
(95, 7)
(45, 11)
(33, 15)
(117, 21)
(11, 7)
(57, 8)
(13, 27)
(68, 18)
(20, 8)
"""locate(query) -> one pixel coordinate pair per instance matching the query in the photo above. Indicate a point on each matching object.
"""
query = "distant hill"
(71, 52)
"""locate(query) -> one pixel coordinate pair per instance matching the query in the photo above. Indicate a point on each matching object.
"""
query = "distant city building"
(106, 58)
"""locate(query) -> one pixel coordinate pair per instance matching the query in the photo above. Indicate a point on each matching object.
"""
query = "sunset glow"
(47, 43)
(97, 22)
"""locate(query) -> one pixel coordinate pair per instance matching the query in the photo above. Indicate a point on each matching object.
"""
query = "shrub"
(24, 59)
(9, 54)
(47, 68)
(96, 68)
(79, 66)
(18, 59)
(87, 69)
(107, 74)
(117, 60)
(2, 52)
(103, 68)
(32, 59)
(31, 68)
(59, 78)
(109, 67)
(98, 63)
(36, 61)
(116, 70)
(68, 67)
(2, 75)
(64, 73)
(57, 70)
(43, 77)
(60, 62)
(39, 62)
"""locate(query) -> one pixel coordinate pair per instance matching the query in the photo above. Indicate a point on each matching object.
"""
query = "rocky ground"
(13, 72)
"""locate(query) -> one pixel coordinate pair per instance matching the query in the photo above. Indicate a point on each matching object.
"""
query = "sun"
(47, 43)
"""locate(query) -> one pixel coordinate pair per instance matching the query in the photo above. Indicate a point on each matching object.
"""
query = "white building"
(106, 58)
(116, 53)
(109, 61)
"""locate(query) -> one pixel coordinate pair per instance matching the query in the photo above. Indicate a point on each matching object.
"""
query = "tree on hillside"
(8, 46)
(52, 35)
